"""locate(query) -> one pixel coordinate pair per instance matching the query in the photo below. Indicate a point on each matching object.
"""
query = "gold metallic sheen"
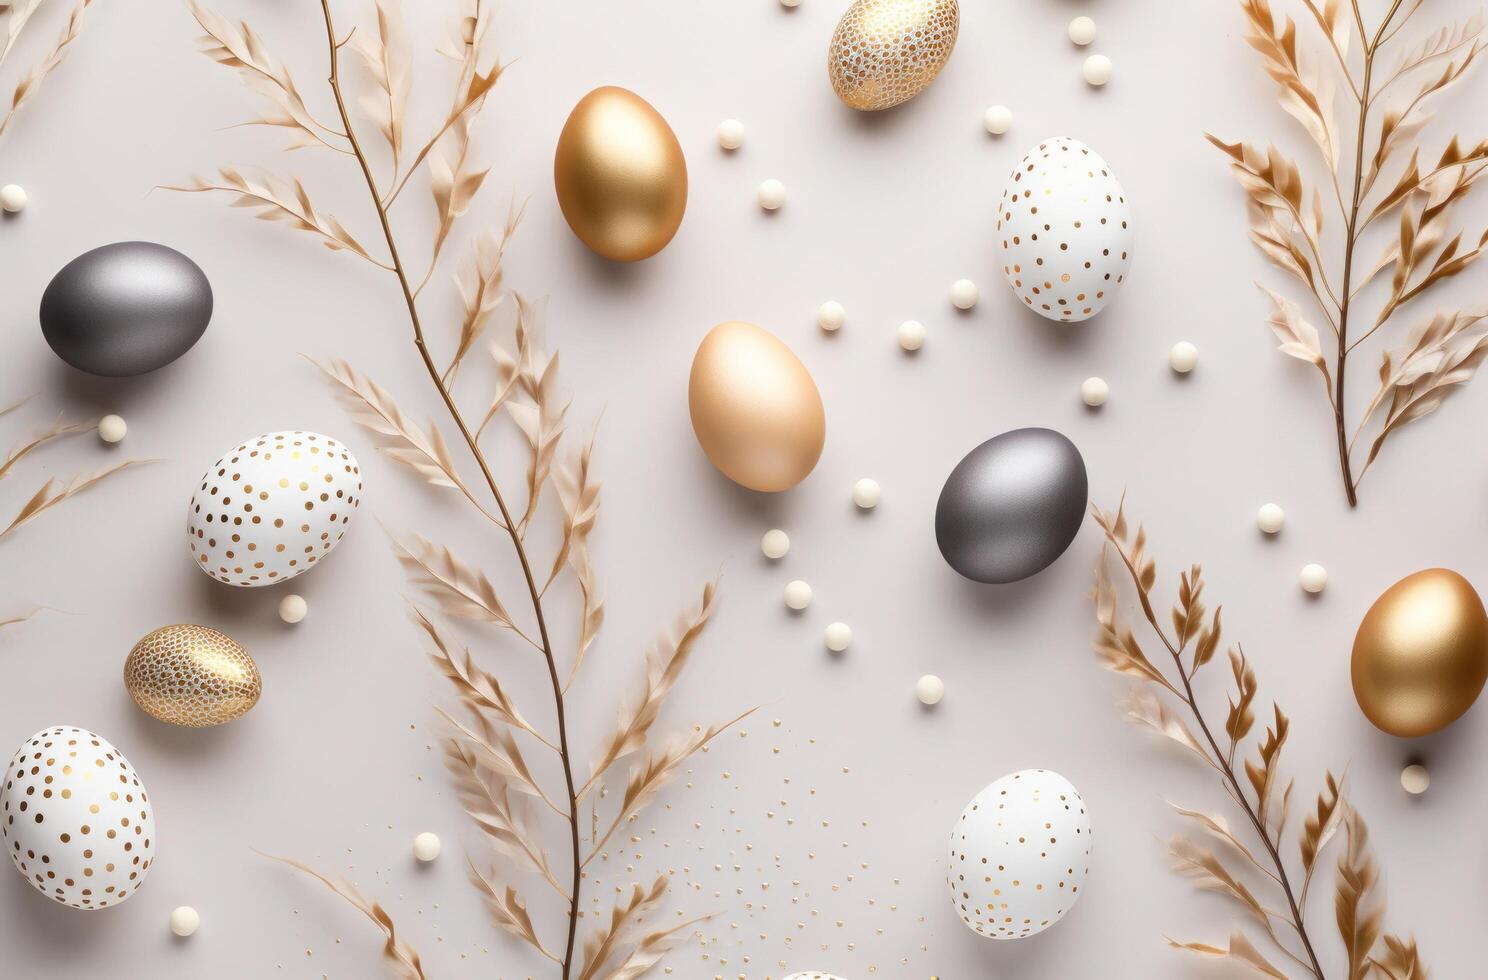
(755, 409)
(192, 676)
(885, 52)
(620, 175)
(1421, 654)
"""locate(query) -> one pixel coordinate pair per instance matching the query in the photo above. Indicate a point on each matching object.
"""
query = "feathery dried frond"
(402, 956)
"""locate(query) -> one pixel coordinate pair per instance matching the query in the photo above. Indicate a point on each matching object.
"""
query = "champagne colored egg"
(1421, 653)
(192, 676)
(620, 175)
(755, 410)
(885, 52)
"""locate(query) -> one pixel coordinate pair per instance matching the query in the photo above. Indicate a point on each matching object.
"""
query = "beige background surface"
(828, 854)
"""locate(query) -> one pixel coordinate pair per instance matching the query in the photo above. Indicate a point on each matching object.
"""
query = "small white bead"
(911, 335)
(866, 493)
(111, 428)
(1270, 518)
(731, 134)
(13, 198)
(1414, 779)
(426, 846)
(797, 595)
(838, 637)
(1082, 31)
(1097, 69)
(1094, 392)
(997, 120)
(830, 315)
(1183, 357)
(184, 920)
(963, 294)
(1313, 577)
(929, 689)
(293, 608)
(771, 194)
(775, 544)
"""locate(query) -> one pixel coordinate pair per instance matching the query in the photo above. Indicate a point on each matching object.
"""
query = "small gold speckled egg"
(885, 52)
(192, 676)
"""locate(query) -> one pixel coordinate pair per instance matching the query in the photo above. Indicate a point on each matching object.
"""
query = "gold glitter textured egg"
(620, 175)
(1421, 654)
(885, 52)
(192, 676)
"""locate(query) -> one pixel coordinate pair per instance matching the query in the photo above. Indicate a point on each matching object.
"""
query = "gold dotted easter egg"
(272, 507)
(885, 52)
(192, 676)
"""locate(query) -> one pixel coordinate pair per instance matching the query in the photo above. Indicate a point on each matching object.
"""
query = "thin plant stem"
(572, 815)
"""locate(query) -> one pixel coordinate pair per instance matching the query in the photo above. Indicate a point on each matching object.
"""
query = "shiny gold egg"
(755, 409)
(1421, 653)
(192, 676)
(620, 175)
(885, 52)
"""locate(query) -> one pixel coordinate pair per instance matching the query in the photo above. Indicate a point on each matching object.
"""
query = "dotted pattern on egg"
(885, 52)
(1066, 230)
(192, 676)
(285, 515)
(1007, 877)
(76, 819)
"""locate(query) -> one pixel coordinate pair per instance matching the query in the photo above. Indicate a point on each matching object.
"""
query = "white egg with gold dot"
(1019, 855)
(75, 819)
(1064, 228)
(272, 507)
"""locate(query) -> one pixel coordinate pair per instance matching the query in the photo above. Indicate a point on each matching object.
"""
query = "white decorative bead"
(1183, 357)
(997, 120)
(911, 335)
(775, 544)
(963, 294)
(1094, 392)
(797, 595)
(1082, 31)
(426, 846)
(838, 637)
(111, 428)
(731, 134)
(1313, 577)
(830, 315)
(1414, 779)
(1097, 69)
(184, 920)
(866, 493)
(929, 689)
(771, 194)
(1270, 518)
(13, 198)
(293, 608)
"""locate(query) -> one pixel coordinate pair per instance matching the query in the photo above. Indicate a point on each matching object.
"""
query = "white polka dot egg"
(1019, 855)
(76, 819)
(272, 507)
(1065, 231)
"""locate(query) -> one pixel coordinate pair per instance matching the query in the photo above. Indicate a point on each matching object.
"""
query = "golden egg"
(885, 52)
(620, 175)
(1421, 654)
(192, 676)
(755, 409)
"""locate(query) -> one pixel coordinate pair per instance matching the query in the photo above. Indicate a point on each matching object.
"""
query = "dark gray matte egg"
(1012, 506)
(125, 309)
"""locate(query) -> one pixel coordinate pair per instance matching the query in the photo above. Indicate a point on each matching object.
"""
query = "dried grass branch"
(401, 956)
(32, 79)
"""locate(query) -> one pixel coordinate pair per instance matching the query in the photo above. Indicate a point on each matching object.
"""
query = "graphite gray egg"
(125, 309)
(1011, 506)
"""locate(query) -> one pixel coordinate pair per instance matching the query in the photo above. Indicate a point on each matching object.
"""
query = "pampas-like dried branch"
(1287, 221)
(31, 80)
(403, 958)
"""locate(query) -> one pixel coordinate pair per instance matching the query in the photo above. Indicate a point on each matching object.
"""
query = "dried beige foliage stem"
(1248, 866)
(499, 758)
(1415, 241)
(16, 17)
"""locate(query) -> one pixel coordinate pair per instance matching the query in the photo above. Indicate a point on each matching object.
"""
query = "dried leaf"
(57, 430)
(478, 689)
(31, 80)
(604, 944)
(1355, 908)
(1147, 710)
(50, 495)
(480, 291)
(404, 958)
(20, 617)
(650, 950)
(460, 591)
(390, 63)
(1219, 828)
(486, 800)
(1308, 100)
(508, 910)
(1401, 960)
(498, 753)
(1240, 948)
(1298, 338)
(1318, 829)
